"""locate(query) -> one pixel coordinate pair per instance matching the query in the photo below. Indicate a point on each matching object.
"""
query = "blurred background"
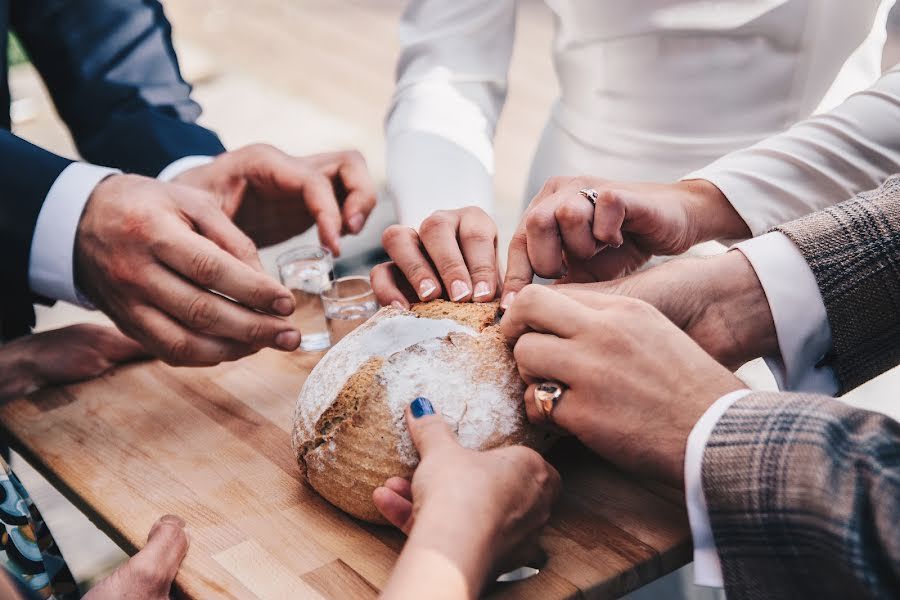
(307, 76)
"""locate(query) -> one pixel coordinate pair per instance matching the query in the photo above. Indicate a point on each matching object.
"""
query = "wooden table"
(212, 445)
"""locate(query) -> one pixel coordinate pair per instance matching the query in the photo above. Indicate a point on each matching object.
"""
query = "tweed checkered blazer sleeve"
(803, 491)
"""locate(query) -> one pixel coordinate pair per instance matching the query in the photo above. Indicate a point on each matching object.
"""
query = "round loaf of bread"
(349, 430)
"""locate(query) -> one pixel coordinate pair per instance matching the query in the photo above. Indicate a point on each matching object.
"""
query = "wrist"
(462, 541)
(739, 311)
(19, 366)
(710, 213)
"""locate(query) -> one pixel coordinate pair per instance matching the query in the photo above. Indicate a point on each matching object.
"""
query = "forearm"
(850, 252)
(799, 484)
(427, 172)
(451, 87)
(817, 163)
(437, 562)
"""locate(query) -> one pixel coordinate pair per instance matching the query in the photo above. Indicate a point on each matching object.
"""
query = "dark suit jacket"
(804, 491)
(114, 78)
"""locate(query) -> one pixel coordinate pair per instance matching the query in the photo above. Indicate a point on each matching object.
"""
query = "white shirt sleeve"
(181, 165)
(707, 567)
(451, 86)
(51, 271)
(817, 163)
(798, 310)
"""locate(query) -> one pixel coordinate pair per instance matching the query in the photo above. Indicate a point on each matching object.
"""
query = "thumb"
(428, 430)
(157, 563)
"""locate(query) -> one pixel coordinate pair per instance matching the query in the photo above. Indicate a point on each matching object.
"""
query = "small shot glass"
(348, 303)
(308, 271)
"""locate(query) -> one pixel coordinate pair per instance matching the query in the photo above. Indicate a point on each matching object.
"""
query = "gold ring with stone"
(546, 397)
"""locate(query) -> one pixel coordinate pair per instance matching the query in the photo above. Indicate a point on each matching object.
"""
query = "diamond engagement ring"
(591, 194)
(546, 397)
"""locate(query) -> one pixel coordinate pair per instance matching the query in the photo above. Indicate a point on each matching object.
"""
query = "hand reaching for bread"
(564, 234)
(466, 512)
(453, 255)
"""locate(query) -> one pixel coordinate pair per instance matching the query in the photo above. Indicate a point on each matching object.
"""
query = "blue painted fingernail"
(421, 407)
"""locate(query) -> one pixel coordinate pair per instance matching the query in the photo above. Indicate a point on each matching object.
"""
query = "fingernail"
(426, 288)
(356, 222)
(482, 289)
(421, 407)
(508, 300)
(398, 305)
(458, 290)
(174, 519)
(288, 340)
(283, 306)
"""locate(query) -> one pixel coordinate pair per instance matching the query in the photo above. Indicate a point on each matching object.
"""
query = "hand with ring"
(616, 374)
(587, 229)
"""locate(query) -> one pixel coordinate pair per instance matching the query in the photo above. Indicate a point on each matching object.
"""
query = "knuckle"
(259, 151)
(201, 314)
(355, 156)
(435, 223)
(569, 214)
(541, 221)
(137, 221)
(256, 295)
(608, 199)
(529, 295)
(178, 351)
(417, 271)
(204, 269)
(519, 240)
(475, 211)
(256, 332)
(244, 247)
(520, 350)
(482, 272)
(145, 574)
(396, 234)
(555, 182)
(481, 236)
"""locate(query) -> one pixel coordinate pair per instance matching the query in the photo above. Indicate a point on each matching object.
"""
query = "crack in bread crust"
(346, 406)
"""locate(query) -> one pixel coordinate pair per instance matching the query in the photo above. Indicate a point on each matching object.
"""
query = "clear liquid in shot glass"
(344, 319)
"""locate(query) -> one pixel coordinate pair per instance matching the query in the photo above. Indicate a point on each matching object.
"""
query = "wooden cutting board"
(212, 445)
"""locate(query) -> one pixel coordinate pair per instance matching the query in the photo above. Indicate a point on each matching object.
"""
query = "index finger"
(518, 268)
(322, 204)
(539, 308)
(204, 263)
(361, 196)
(427, 428)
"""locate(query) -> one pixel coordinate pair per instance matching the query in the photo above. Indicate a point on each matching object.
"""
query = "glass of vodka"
(308, 271)
(348, 303)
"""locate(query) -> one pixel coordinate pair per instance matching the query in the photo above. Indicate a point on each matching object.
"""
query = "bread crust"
(359, 439)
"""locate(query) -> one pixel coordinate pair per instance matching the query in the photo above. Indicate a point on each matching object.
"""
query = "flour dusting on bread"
(349, 430)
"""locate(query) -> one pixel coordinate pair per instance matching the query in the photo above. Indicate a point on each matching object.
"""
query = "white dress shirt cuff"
(181, 165)
(707, 568)
(801, 322)
(51, 271)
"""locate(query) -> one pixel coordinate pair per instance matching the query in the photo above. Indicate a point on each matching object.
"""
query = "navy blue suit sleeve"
(26, 175)
(113, 75)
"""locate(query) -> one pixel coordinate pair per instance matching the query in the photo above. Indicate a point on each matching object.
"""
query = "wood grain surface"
(212, 445)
